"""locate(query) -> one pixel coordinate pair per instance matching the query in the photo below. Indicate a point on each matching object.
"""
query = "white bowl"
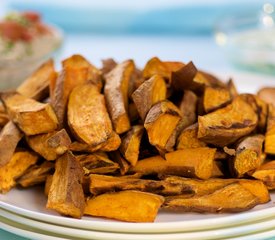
(14, 71)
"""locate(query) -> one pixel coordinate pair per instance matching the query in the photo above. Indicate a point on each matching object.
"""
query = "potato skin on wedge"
(231, 198)
(66, 193)
(226, 125)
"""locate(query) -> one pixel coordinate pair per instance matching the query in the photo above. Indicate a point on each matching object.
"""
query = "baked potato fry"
(88, 118)
(10, 135)
(15, 168)
(97, 162)
(37, 85)
(130, 144)
(137, 206)
(116, 94)
(151, 165)
(267, 94)
(196, 162)
(215, 98)
(160, 124)
(100, 184)
(266, 173)
(50, 145)
(148, 93)
(30, 116)
(270, 131)
(66, 193)
(188, 138)
(226, 125)
(231, 198)
(248, 155)
(205, 187)
(36, 174)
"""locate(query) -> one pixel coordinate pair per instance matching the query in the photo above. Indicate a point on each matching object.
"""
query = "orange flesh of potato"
(149, 93)
(66, 194)
(10, 135)
(226, 125)
(191, 162)
(160, 123)
(88, 118)
(50, 145)
(15, 168)
(131, 143)
(116, 94)
(231, 198)
(30, 116)
(137, 206)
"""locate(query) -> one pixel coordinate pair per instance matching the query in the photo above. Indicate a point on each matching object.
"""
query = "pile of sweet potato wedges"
(121, 143)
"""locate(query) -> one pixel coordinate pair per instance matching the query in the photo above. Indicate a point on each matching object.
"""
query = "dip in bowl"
(25, 43)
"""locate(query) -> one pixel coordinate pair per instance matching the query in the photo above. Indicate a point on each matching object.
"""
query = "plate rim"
(67, 232)
(156, 227)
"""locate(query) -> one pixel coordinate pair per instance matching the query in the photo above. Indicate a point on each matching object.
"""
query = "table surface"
(201, 50)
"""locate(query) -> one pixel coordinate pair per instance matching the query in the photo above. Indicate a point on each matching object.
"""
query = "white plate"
(266, 235)
(25, 231)
(86, 234)
(31, 203)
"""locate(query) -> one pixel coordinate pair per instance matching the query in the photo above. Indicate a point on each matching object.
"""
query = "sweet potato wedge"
(124, 165)
(66, 194)
(135, 81)
(111, 144)
(130, 144)
(266, 173)
(267, 94)
(205, 187)
(150, 92)
(48, 183)
(50, 145)
(257, 188)
(100, 184)
(137, 206)
(4, 118)
(248, 155)
(76, 62)
(215, 98)
(10, 135)
(156, 67)
(161, 122)
(191, 162)
(188, 138)
(36, 174)
(228, 124)
(84, 102)
(75, 72)
(37, 85)
(30, 116)
(116, 94)
(97, 162)
(15, 168)
(151, 165)
(108, 65)
(231, 198)
(260, 108)
(188, 108)
(183, 78)
(200, 187)
(270, 131)
(232, 88)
